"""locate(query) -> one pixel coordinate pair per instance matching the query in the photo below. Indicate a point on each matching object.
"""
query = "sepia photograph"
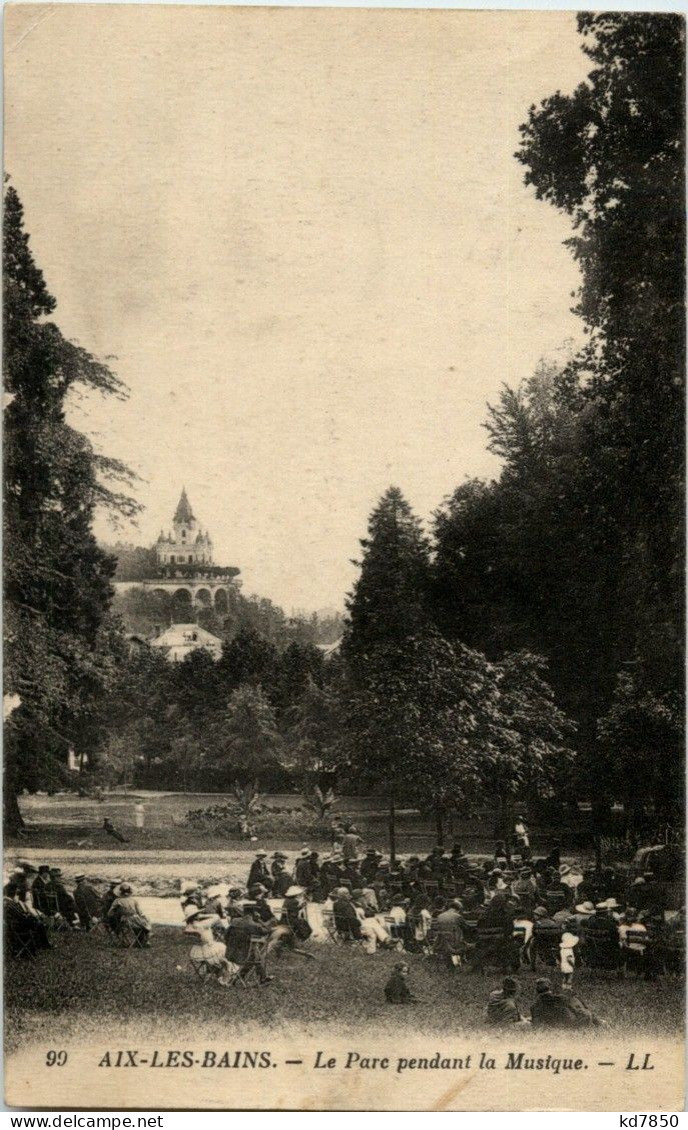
(343, 553)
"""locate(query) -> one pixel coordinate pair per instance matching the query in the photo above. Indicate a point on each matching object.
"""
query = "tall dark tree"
(612, 156)
(390, 598)
(58, 655)
(576, 551)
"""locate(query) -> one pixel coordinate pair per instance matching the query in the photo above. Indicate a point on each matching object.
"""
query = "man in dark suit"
(345, 917)
(65, 902)
(259, 872)
(88, 902)
(238, 942)
(282, 882)
(41, 891)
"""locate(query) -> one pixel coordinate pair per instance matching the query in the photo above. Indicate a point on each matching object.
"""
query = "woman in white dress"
(208, 950)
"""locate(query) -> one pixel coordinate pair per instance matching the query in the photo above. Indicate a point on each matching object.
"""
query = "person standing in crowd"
(567, 953)
(88, 902)
(450, 944)
(522, 837)
(351, 843)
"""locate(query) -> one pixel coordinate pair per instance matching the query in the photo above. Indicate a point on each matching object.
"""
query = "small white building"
(181, 639)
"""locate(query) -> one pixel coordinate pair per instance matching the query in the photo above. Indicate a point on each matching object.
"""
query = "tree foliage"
(60, 646)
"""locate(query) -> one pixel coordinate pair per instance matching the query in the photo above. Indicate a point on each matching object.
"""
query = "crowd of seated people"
(507, 913)
(37, 905)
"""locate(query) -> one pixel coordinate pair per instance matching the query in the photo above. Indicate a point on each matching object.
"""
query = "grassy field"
(65, 819)
(88, 986)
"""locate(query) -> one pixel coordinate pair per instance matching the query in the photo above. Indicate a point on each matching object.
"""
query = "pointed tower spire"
(183, 513)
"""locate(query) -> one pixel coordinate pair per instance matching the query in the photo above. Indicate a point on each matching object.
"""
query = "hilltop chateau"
(184, 565)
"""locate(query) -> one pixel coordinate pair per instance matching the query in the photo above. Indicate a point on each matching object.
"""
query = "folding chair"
(129, 938)
(254, 968)
(394, 929)
(207, 972)
(330, 927)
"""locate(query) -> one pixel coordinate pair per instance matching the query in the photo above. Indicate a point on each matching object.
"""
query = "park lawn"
(89, 991)
(65, 820)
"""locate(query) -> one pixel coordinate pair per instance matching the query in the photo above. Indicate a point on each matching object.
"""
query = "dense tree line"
(576, 551)
(254, 714)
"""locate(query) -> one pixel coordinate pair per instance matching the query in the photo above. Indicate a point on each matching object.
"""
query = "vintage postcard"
(343, 559)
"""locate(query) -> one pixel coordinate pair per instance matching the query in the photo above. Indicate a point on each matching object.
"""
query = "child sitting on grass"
(396, 989)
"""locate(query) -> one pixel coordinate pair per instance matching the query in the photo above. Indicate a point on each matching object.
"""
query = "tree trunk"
(439, 826)
(392, 832)
(13, 819)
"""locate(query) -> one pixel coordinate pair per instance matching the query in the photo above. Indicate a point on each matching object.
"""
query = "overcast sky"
(304, 237)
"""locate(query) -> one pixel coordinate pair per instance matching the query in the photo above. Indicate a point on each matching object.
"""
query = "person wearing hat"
(65, 903)
(502, 1007)
(600, 934)
(369, 865)
(41, 891)
(192, 893)
(567, 952)
(459, 860)
(126, 914)
(207, 948)
(279, 860)
(303, 876)
(212, 903)
(525, 890)
(108, 900)
(263, 911)
(546, 937)
(559, 1010)
(450, 945)
(88, 903)
(294, 916)
(259, 872)
(581, 913)
(283, 880)
(234, 907)
(238, 942)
